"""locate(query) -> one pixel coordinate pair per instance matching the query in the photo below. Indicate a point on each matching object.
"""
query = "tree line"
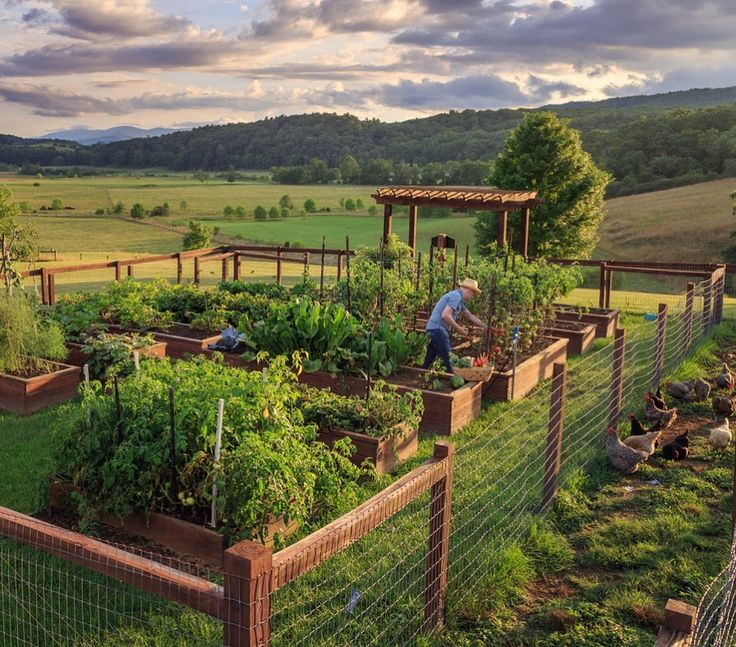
(641, 141)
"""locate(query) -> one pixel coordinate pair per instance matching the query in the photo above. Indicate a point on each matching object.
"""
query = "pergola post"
(387, 217)
(503, 223)
(524, 242)
(413, 209)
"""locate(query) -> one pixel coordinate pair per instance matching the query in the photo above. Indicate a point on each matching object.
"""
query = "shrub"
(260, 213)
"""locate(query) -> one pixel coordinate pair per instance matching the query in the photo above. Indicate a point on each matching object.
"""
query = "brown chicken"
(679, 448)
(645, 444)
(655, 414)
(680, 390)
(701, 388)
(623, 458)
(659, 399)
(725, 380)
(724, 405)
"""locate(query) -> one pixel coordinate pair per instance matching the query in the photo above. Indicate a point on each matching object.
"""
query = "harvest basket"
(474, 374)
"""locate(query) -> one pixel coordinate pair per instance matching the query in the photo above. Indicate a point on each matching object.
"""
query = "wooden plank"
(147, 575)
(670, 638)
(679, 616)
(311, 551)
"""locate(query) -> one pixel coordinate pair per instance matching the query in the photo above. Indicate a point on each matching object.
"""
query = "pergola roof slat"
(457, 197)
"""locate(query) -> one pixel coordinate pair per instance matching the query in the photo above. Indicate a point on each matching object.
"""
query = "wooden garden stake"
(431, 273)
(118, 409)
(454, 269)
(416, 286)
(172, 447)
(137, 362)
(218, 446)
(467, 255)
(322, 270)
(85, 372)
(368, 367)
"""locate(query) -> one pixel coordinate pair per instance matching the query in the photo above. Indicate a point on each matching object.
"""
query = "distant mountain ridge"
(89, 136)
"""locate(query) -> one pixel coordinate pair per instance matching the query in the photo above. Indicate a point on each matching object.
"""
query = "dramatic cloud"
(102, 19)
(52, 102)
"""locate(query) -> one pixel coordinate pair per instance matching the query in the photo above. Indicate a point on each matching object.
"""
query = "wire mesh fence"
(375, 590)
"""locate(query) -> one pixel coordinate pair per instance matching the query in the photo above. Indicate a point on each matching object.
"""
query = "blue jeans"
(439, 346)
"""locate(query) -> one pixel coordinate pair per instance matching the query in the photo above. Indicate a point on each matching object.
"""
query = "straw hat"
(470, 284)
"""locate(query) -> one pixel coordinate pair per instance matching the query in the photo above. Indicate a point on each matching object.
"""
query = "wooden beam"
(503, 224)
(413, 216)
(387, 221)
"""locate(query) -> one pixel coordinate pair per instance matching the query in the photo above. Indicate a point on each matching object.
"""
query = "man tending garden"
(444, 317)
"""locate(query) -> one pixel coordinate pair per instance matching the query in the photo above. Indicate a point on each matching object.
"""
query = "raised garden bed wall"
(25, 395)
(529, 373)
(444, 413)
(77, 356)
(384, 453)
(578, 341)
(175, 534)
(183, 341)
(604, 319)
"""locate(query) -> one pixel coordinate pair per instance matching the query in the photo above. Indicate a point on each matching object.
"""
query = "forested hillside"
(648, 142)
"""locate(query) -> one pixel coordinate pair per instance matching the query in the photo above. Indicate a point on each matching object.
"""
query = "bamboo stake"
(467, 255)
(380, 294)
(172, 448)
(85, 371)
(218, 446)
(347, 269)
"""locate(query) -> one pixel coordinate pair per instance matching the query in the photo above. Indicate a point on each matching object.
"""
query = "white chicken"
(720, 437)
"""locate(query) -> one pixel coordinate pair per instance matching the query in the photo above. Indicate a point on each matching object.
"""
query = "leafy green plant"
(271, 290)
(110, 354)
(391, 347)
(27, 343)
(325, 332)
(384, 413)
(212, 320)
(433, 377)
(271, 465)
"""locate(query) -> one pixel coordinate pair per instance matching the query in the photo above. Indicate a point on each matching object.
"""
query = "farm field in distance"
(693, 220)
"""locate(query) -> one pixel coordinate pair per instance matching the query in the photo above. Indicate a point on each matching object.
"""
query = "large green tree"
(544, 154)
(198, 236)
(18, 242)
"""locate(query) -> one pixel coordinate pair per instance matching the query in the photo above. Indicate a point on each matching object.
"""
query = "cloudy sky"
(148, 63)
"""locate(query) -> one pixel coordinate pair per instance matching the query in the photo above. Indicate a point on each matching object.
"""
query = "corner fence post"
(247, 593)
(661, 338)
(439, 540)
(617, 377)
(118, 271)
(44, 286)
(602, 286)
(554, 435)
(609, 283)
(689, 299)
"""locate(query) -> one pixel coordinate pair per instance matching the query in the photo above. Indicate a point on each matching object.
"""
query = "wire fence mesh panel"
(715, 620)
(45, 600)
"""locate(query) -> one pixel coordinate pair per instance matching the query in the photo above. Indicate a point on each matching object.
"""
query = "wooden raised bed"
(529, 372)
(77, 357)
(24, 395)
(444, 412)
(181, 340)
(384, 453)
(580, 335)
(176, 534)
(604, 319)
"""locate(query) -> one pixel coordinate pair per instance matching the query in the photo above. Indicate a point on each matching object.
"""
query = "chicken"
(655, 414)
(623, 458)
(680, 390)
(701, 388)
(645, 444)
(720, 437)
(723, 405)
(659, 399)
(637, 429)
(678, 448)
(725, 379)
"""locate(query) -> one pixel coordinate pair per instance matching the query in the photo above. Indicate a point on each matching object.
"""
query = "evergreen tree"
(544, 154)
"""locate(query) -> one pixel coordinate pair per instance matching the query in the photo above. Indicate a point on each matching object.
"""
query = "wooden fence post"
(225, 266)
(707, 305)
(247, 567)
(609, 283)
(236, 266)
(118, 271)
(278, 266)
(439, 540)
(44, 286)
(197, 271)
(130, 270)
(554, 435)
(661, 336)
(51, 292)
(617, 377)
(179, 268)
(602, 286)
(689, 299)
(339, 265)
(720, 292)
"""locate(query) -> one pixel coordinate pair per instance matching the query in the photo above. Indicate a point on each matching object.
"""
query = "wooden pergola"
(458, 197)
